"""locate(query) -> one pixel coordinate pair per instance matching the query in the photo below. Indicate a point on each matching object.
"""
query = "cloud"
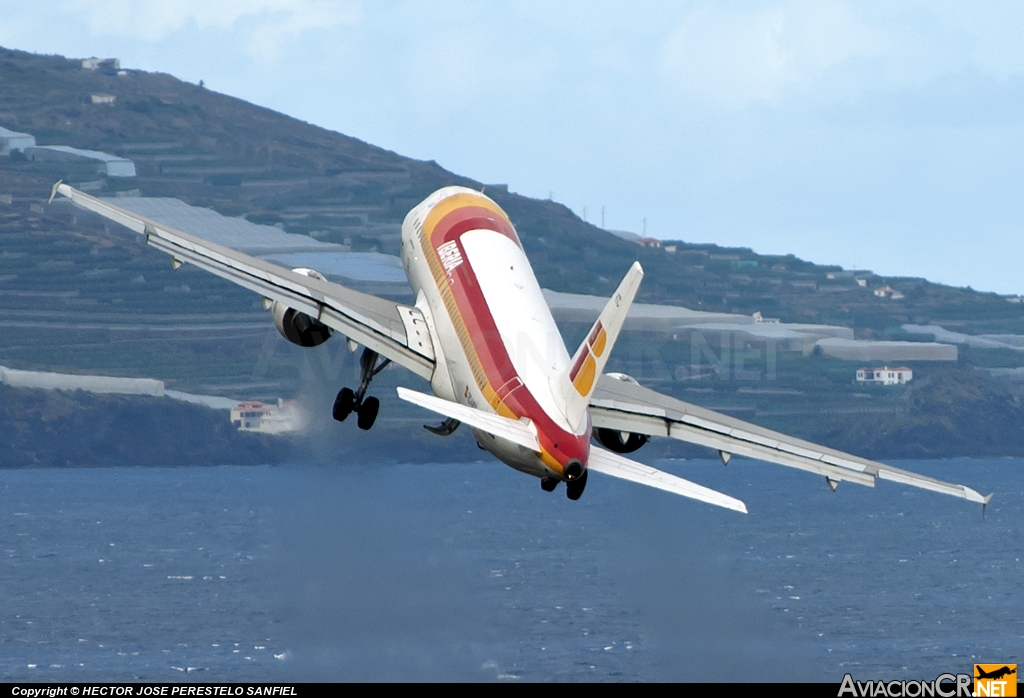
(455, 70)
(734, 58)
(268, 22)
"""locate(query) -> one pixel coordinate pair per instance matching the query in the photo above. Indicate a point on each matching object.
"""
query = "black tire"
(343, 404)
(574, 488)
(548, 484)
(368, 412)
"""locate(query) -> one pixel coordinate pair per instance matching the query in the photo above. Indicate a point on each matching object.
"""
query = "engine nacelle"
(297, 327)
(621, 441)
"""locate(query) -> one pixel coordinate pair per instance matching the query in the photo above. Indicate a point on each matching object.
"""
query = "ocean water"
(468, 571)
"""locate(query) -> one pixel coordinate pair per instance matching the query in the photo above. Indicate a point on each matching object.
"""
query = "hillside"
(213, 150)
(79, 296)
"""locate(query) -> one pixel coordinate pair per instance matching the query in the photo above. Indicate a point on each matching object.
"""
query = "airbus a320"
(482, 334)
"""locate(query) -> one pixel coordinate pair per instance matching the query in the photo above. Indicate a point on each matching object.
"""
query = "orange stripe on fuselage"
(466, 200)
(475, 327)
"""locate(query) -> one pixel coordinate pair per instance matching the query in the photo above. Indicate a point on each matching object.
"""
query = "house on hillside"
(888, 291)
(104, 65)
(885, 375)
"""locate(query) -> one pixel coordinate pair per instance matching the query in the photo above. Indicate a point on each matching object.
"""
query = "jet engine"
(621, 441)
(297, 327)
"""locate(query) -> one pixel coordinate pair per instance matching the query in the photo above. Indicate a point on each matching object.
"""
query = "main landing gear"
(573, 488)
(366, 408)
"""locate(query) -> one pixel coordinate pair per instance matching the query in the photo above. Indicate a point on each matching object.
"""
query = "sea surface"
(468, 571)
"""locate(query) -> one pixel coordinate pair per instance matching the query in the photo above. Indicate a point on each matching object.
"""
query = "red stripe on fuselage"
(483, 332)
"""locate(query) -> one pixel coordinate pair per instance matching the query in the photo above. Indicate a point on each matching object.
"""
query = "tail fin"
(576, 385)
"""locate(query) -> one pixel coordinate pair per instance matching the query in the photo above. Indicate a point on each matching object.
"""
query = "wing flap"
(626, 406)
(608, 463)
(376, 323)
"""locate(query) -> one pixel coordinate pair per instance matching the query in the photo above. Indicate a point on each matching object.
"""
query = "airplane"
(995, 673)
(483, 336)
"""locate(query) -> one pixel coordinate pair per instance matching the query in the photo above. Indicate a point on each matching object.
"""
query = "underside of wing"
(608, 463)
(517, 432)
(391, 329)
(625, 406)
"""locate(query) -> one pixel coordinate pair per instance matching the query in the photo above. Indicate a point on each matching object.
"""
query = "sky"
(873, 135)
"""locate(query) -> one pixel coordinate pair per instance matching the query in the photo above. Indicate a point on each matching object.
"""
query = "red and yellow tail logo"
(995, 680)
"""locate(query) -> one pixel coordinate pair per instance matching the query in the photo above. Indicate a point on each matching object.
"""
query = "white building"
(104, 64)
(885, 375)
(12, 140)
(888, 292)
(251, 415)
(110, 165)
(103, 99)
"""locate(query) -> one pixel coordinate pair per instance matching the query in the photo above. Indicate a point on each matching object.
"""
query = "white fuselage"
(495, 343)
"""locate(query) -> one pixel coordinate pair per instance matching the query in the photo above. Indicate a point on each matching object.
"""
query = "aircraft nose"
(573, 469)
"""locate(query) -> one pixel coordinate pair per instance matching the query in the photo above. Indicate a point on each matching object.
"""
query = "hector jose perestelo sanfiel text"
(150, 690)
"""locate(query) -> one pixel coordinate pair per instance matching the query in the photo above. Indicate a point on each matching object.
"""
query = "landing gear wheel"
(368, 412)
(344, 404)
(574, 488)
(548, 484)
(349, 401)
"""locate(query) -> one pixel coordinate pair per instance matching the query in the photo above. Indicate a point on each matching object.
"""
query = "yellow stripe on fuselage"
(440, 210)
(456, 201)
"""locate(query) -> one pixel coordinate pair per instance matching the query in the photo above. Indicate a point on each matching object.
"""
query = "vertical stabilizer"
(576, 385)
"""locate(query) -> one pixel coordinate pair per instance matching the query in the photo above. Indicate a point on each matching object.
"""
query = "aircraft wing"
(521, 432)
(625, 406)
(391, 329)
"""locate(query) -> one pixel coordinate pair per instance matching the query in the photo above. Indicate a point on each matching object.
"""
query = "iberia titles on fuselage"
(500, 349)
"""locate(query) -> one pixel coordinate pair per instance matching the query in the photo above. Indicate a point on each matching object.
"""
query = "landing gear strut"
(447, 427)
(366, 408)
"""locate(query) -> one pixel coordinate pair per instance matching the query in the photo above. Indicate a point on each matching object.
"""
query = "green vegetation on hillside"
(80, 295)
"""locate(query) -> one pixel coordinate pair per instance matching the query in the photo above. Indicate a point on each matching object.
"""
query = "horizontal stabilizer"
(516, 431)
(609, 463)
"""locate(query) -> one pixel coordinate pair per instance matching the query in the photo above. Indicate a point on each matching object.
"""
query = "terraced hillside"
(78, 296)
